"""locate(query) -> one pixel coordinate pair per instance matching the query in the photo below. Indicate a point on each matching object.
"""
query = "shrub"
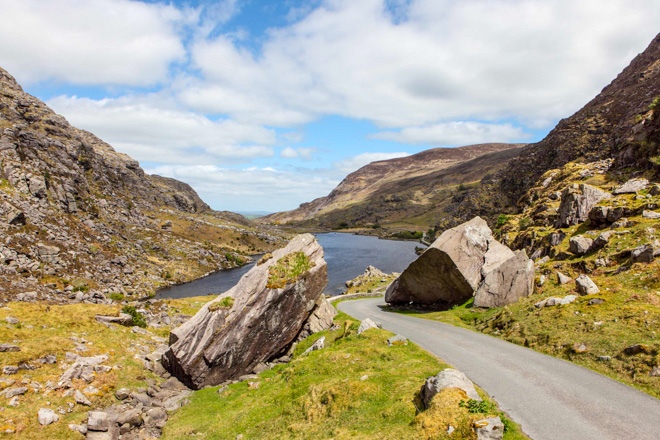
(502, 219)
(116, 296)
(288, 269)
(477, 406)
(138, 318)
(225, 303)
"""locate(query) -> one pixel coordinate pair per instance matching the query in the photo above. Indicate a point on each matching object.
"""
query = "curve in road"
(550, 398)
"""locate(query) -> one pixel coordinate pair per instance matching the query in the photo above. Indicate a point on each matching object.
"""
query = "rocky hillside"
(80, 220)
(617, 124)
(409, 191)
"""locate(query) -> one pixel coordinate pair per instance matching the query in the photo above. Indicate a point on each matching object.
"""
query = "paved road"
(550, 398)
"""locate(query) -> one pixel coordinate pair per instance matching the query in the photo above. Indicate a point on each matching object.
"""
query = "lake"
(347, 256)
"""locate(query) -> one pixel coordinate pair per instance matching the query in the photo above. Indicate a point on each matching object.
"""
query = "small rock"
(563, 279)
(260, 368)
(604, 358)
(253, 385)
(81, 399)
(11, 320)
(541, 281)
(363, 378)
(47, 416)
(10, 369)
(156, 417)
(595, 301)
(9, 347)
(318, 345)
(642, 254)
(631, 186)
(12, 392)
(655, 190)
(397, 340)
(122, 393)
(586, 286)
(448, 378)
(580, 245)
(489, 429)
(655, 371)
(78, 428)
(650, 214)
(97, 421)
(579, 348)
(365, 325)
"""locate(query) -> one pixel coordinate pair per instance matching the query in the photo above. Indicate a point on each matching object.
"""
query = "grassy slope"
(630, 313)
(356, 388)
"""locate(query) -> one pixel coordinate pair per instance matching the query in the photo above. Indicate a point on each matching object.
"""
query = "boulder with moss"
(270, 307)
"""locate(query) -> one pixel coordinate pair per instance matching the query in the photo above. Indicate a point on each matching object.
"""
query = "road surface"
(550, 398)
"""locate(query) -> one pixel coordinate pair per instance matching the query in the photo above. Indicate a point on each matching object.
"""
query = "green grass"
(355, 388)
(288, 269)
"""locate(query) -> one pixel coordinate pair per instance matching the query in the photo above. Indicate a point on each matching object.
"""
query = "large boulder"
(506, 284)
(456, 266)
(576, 203)
(251, 323)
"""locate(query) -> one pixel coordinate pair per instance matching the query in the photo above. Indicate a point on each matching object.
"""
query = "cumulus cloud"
(351, 164)
(425, 61)
(454, 134)
(294, 153)
(91, 41)
(250, 189)
(152, 129)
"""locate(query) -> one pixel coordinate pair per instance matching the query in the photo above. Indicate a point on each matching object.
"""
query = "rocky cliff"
(79, 219)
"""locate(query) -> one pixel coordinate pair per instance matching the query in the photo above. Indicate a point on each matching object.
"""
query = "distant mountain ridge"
(388, 178)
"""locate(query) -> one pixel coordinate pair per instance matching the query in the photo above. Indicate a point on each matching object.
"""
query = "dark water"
(347, 257)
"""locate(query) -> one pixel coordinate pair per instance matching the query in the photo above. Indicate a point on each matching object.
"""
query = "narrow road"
(550, 398)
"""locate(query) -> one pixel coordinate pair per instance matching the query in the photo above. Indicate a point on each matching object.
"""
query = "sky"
(263, 105)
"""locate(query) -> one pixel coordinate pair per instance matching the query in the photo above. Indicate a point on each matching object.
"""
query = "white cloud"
(250, 189)
(152, 129)
(351, 164)
(438, 61)
(454, 134)
(91, 41)
(294, 153)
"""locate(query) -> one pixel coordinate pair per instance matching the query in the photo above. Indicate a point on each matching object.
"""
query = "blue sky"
(263, 105)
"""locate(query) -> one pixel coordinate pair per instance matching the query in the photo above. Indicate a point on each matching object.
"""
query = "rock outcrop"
(576, 203)
(448, 378)
(463, 261)
(249, 324)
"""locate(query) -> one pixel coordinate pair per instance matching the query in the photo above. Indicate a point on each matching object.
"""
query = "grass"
(288, 269)
(53, 330)
(355, 388)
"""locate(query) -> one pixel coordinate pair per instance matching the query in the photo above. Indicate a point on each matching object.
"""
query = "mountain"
(75, 215)
(411, 190)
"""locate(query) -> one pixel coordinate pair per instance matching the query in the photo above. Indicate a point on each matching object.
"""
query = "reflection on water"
(347, 257)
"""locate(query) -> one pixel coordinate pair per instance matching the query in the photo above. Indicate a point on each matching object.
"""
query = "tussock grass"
(288, 269)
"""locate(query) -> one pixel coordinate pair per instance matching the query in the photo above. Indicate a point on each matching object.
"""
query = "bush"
(288, 269)
(502, 219)
(138, 318)
(116, 296)
(477, 406)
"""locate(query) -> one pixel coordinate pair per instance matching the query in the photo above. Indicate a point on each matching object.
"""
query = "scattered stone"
(397, 340)
(221, 343)
(642, 254)
(448, 378)
(489, 429)
(260, 368)
(10, 369)
(586, 286)
(364, 377)
(81, 399)
(556, 238)
(156, 417)
(82, 429)
(122, 393)
(604, 358)
(631, 187)
(580, 245)
(97, 421)
(654, 190)
(563, 279)
(11, 320)
(47, 416)
(123, 319)
(655, 371)
(595, 301)
(12, 392)
(318, 345)
(541, 281)
(555, 301)
(82, 368)
(651, 214)
(9, 347)
(365, 325)
(576, 202)
(579, 348)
